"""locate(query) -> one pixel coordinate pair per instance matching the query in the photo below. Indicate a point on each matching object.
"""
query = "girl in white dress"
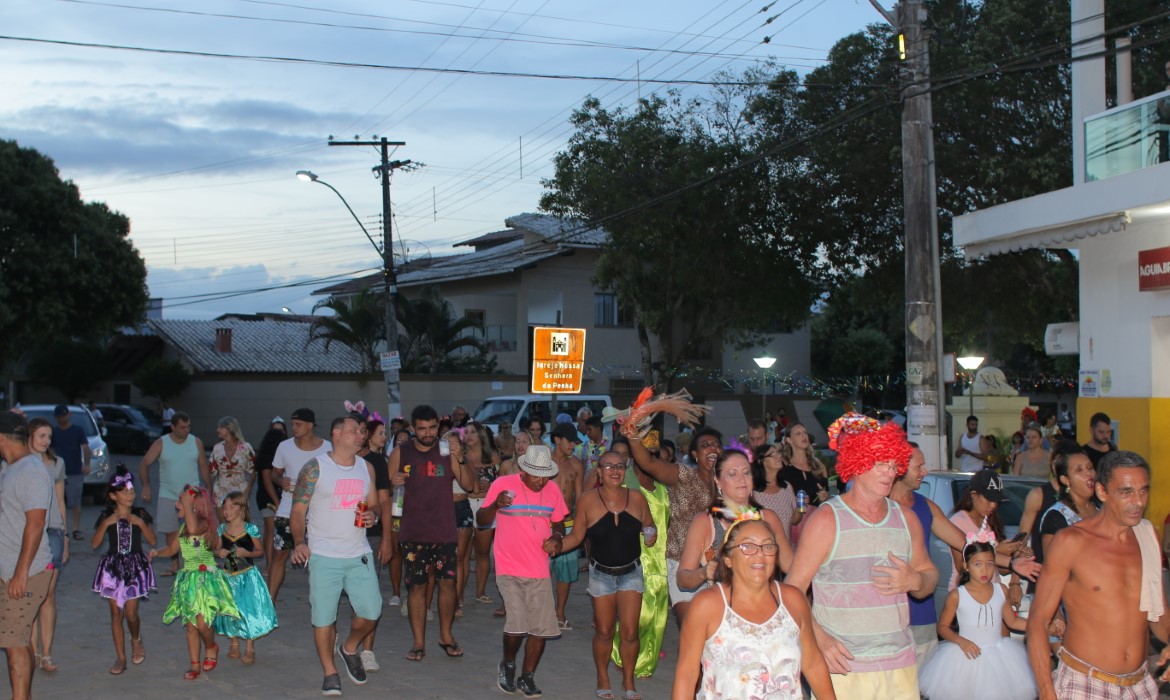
(980, 661)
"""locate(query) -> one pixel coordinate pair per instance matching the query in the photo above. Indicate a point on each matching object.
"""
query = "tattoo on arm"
(306, 482)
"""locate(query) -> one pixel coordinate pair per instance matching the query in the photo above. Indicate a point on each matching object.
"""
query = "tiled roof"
(553, 237)
(269, 346)
(491, 239)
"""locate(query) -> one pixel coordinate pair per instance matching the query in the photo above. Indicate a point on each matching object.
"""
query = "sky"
(200, 152)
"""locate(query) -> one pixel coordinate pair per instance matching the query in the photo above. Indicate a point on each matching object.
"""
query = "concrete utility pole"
(926, 422)
(392, 371)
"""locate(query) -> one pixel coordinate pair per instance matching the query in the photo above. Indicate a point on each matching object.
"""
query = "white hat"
(537, 461)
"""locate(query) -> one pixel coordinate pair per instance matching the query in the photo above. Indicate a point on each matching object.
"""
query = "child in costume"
(123, 573)
(201, 591)
(984, 663)
(239, 545)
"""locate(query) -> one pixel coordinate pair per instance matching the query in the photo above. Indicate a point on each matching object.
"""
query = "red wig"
(865, 449)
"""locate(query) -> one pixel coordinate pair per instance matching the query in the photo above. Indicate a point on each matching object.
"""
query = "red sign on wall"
(1154, 269)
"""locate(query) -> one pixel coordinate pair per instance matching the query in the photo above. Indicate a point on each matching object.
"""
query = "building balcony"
(1128, 138)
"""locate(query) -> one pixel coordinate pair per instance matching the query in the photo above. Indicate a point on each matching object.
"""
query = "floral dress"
(231, 473)
(750, 661)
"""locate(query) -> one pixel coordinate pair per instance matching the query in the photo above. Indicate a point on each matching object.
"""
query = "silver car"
(99, 462)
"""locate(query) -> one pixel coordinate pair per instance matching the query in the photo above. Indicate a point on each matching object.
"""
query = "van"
(519, 409)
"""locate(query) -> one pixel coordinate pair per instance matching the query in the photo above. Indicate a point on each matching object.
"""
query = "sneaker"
(332, 685)
(394, 601)
(506, 678)
(353, 665)
(369, 661)
(405, 612)
(527, 686)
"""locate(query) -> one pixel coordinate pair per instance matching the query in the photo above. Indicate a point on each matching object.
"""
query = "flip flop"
(632, 695)
(452, 650)
(603, 693)
(564, 624)
(500, 612)
(483, 599)
(416, 654)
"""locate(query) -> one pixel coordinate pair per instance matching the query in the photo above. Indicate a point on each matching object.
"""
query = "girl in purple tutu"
(123, 573)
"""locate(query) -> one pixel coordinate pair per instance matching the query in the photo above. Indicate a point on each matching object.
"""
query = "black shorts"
(282, 534)
(464, 518)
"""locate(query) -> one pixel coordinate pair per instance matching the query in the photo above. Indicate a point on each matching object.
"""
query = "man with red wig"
(862, 555)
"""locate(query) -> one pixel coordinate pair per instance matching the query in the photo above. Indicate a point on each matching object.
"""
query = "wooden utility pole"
(926, 416)
(392, 370)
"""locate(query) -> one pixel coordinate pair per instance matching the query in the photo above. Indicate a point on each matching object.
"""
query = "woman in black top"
(266, 493)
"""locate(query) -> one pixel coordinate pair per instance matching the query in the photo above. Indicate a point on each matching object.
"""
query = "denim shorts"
(56, 538)
(601, 585)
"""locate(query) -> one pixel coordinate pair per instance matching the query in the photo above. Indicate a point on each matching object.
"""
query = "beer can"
(362, 507)
(801, 501)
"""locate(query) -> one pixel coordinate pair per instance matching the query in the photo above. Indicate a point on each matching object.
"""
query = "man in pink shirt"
(529, 520)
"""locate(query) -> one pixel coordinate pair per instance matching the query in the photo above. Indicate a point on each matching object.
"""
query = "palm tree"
(358, 322)
(431, 332)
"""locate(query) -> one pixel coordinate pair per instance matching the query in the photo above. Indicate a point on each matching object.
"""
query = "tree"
(432, 337)
(67, 268)
(695, 260)
(162, 378)
(70, 367)
(357, 322)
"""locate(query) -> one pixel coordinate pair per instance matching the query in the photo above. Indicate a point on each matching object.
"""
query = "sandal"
(248, 658)
(564, 624)
(46, 664)
(459, 611)
(416, 654)
(632, 695)
(118, 668)
(453, 650)
(603, 693)
(500, 612)
(483, 599)
(234, 649)
(139, 654)
(209, 662)
(77, 535)
(193, 673)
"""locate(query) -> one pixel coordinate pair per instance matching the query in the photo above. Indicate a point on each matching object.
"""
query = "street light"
(970, 363)
(764, 363)
(392, 376)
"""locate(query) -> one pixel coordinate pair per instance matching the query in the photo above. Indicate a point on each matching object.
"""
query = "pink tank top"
(875, 628)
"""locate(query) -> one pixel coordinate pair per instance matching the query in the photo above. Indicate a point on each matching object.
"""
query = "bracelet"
(1014, 583)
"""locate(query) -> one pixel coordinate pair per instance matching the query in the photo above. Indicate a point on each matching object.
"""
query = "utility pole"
(391, 371)
(926, 419)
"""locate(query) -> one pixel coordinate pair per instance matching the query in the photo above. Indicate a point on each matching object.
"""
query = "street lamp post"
(970, 363)
(764, 363)
(391, 374)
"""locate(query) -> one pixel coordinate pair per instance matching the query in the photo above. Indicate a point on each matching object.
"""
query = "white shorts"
(677, 595)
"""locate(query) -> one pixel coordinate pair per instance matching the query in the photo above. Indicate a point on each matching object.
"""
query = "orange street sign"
(558, 360)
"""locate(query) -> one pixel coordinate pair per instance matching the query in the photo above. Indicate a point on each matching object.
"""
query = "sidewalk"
(286, 662)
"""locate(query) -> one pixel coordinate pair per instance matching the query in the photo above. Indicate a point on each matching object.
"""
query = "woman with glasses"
(733, 501)
(614, 519)
(749, 636)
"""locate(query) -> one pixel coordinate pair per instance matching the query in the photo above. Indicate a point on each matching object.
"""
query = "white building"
(1117, 216)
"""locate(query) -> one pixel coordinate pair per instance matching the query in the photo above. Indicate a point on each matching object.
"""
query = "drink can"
(362, 507)
(801, 501)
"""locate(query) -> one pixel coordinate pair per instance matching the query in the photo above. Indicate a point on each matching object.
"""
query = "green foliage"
(165, 379)
(70, 367)
(357, 322)
(432, 338)
(47, 290)
(693, 267)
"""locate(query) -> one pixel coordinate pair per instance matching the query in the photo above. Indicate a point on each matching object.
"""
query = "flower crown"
(741, 448)
(737, 516)
(984, 536)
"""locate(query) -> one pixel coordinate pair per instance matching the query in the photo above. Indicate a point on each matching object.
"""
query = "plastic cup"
(444, 447)
(649, 531)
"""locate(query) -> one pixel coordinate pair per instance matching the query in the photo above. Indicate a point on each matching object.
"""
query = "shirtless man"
(1095, 566)
(570, 478)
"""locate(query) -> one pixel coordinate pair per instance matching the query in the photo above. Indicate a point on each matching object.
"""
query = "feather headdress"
(647, 405)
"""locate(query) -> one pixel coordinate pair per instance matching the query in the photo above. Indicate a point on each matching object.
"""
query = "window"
(608, 313)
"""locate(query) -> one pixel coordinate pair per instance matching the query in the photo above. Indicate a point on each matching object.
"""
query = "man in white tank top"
(333, 486)
(968, 452)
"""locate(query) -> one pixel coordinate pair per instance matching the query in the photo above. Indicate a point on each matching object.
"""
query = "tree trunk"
(647, 355)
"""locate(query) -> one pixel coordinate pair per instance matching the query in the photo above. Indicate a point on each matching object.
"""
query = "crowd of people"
(778, 586)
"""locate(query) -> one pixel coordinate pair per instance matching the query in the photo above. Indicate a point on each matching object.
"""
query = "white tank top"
(333, 507)
(748, 660)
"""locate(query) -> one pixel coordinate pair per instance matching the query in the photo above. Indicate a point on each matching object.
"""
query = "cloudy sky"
(200, 150)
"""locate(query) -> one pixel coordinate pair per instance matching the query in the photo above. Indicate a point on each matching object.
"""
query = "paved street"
(286, 663)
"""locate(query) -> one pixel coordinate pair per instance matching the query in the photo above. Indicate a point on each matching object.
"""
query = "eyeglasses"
(771, 549)
(613, 465)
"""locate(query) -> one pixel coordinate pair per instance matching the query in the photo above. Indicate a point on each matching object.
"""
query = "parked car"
(99, 462)
(520, 409)
(128, 429)
(946, 488)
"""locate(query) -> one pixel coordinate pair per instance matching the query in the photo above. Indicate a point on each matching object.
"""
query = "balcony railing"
(1127, 138)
